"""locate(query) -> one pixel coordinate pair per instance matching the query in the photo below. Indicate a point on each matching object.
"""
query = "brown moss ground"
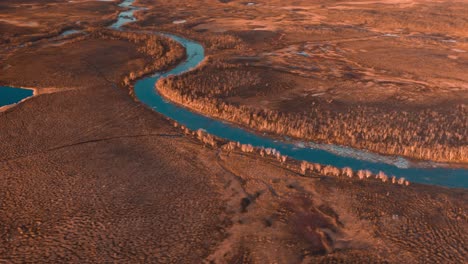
(23, 21)
(355, 221)
(96, 58)
(88, 175)
(97, 178)
(72, 65)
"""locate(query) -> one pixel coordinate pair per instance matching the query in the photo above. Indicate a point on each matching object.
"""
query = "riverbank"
(146, 94)
(359, 126)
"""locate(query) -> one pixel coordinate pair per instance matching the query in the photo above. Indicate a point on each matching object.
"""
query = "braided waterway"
(338, 156)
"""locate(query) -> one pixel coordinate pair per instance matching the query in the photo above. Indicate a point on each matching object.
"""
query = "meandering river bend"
(325, 154)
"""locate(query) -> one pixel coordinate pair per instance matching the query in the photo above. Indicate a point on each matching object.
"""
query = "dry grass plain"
(89, 176)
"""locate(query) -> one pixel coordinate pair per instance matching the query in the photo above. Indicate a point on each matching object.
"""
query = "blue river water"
(325, 154)
(69, 32)
(340, 157)
(125, 16)
(147, 94)
(11, 95)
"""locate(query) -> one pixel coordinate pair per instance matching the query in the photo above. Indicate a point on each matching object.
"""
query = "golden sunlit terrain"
(368, 74)
(89, 174)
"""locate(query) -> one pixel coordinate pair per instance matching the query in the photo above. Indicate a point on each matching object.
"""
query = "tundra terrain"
(89, 175)
(385, 76)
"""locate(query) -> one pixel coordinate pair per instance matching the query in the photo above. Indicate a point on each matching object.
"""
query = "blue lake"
(11, 95)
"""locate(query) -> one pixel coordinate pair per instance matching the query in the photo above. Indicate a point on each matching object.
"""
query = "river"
(325, 154)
